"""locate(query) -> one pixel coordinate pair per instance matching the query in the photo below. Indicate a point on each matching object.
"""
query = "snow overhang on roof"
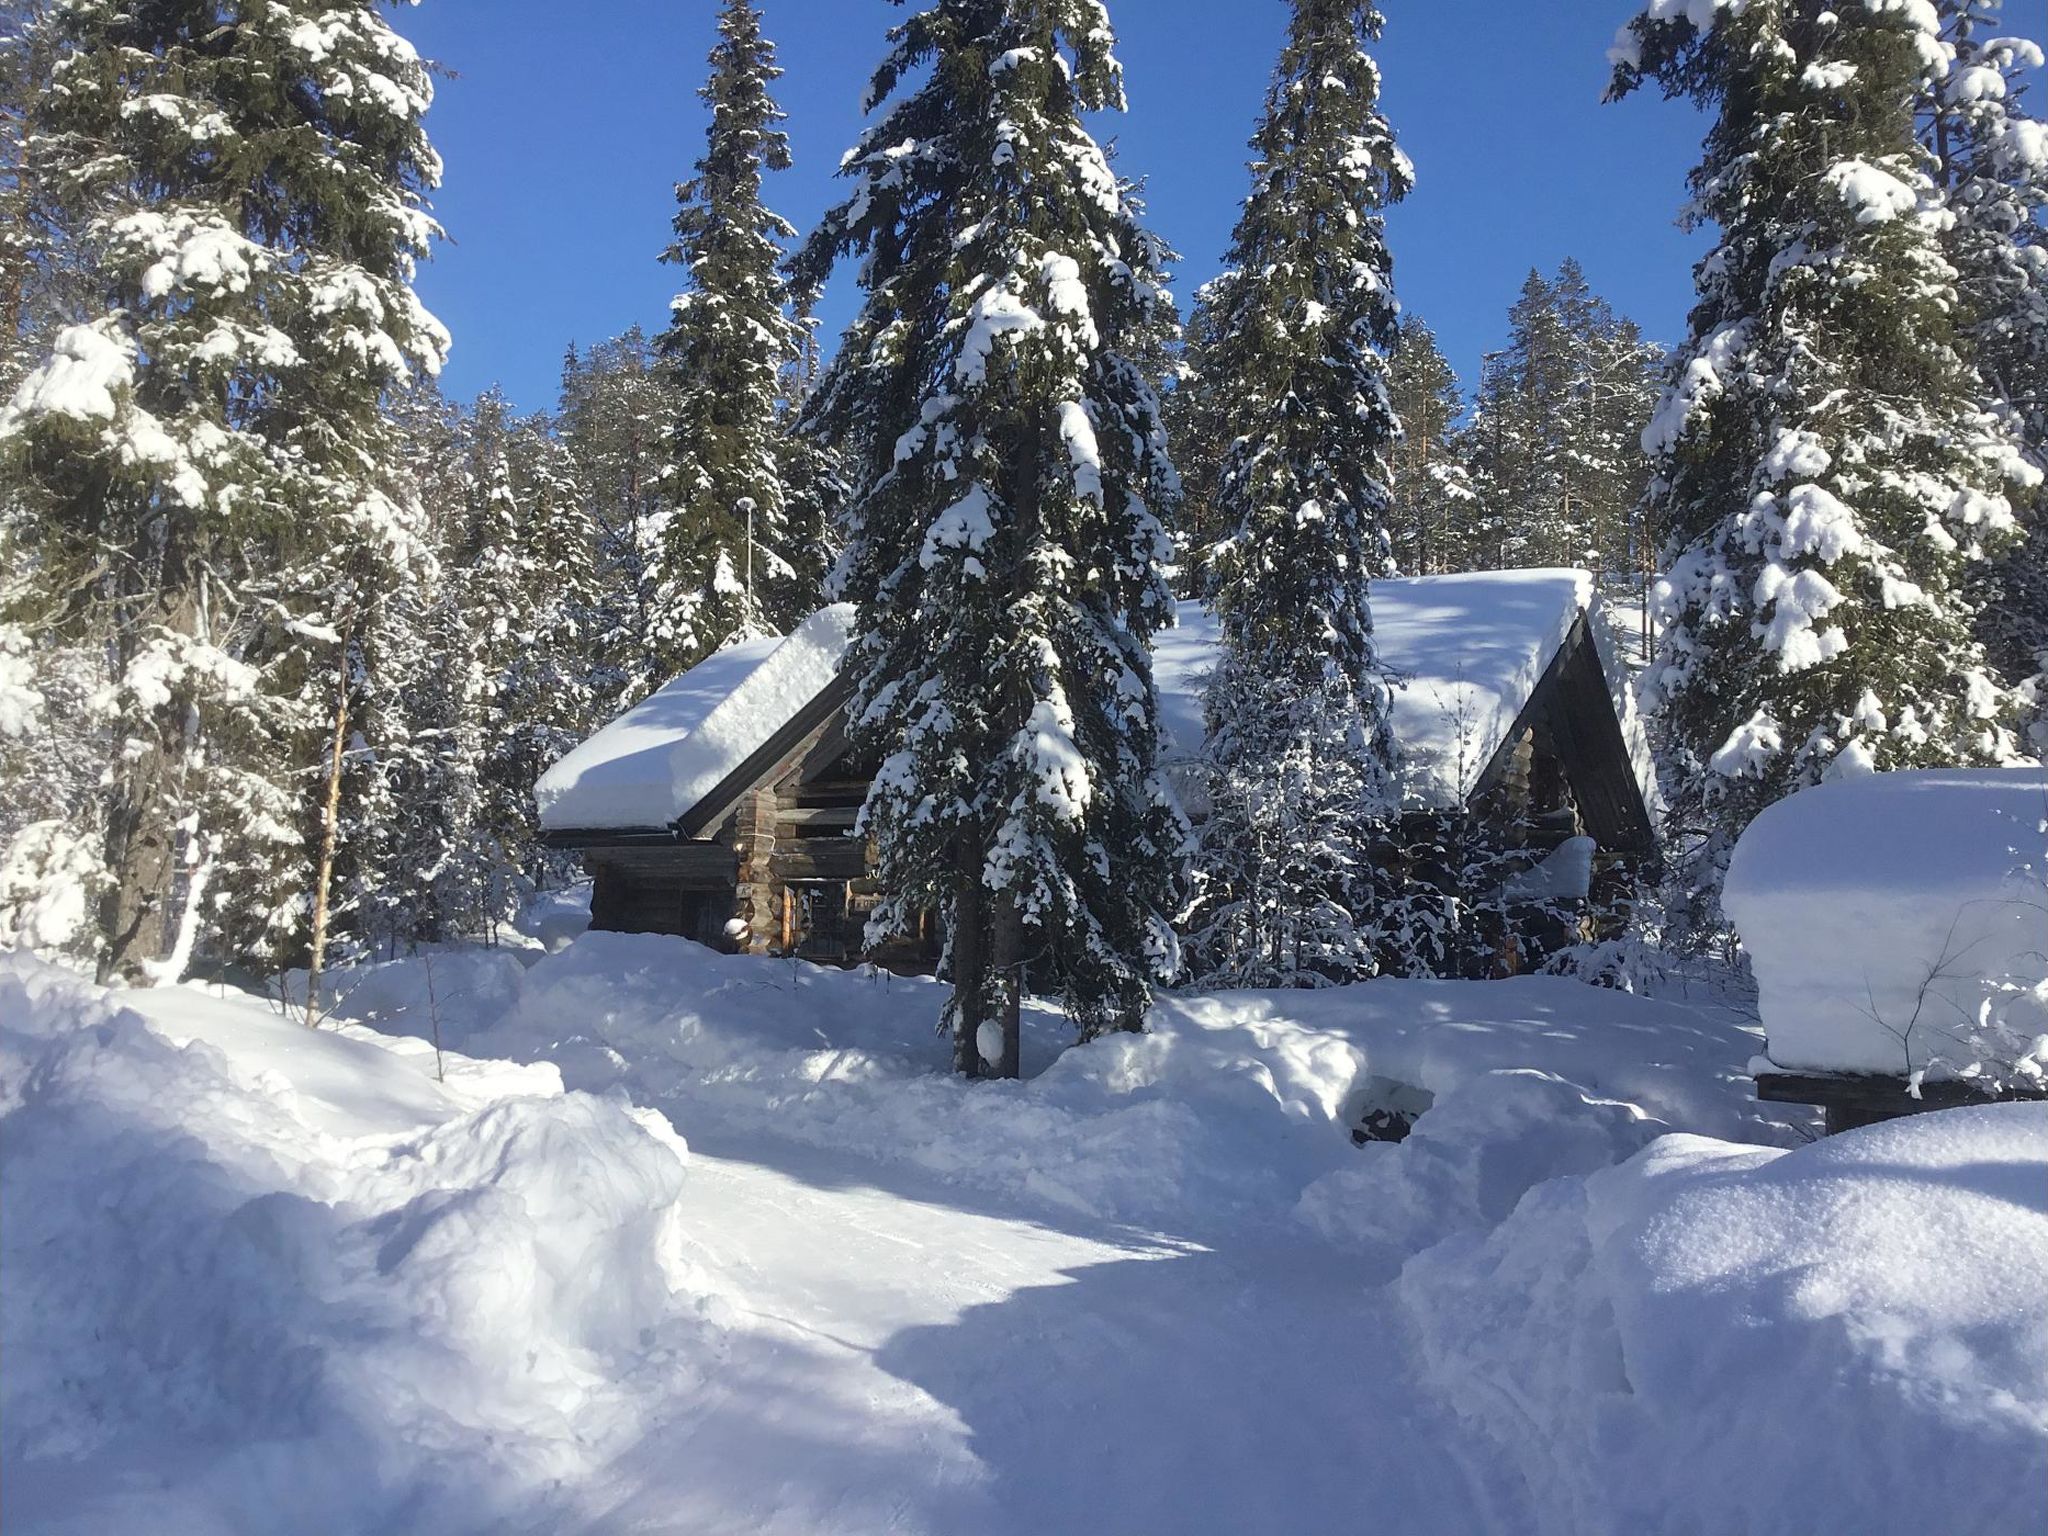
(1467, 652)
(657, 760)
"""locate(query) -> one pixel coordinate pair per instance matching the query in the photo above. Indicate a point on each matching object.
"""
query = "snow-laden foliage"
(717, 563)
(1299, 744)
(1554, 444)
(205, 462)
(1431, 494)
(1991, 158)
(615, 419)
(1823, 459)
(1005, 549)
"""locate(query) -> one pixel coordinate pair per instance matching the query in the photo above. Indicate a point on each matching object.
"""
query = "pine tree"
(1432, 497)
(206, 457)
(1554, 441)
(1300, 743)
(1821, 460)
(731, 340)
(1004, 557)
(540, 689)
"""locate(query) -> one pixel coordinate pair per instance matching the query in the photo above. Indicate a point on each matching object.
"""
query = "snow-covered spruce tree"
(207, 455)
(1822, 461)
(1300, 749)
(1431, 488)
(717, 546)
(1004, 556)
(540, 687)
(615, 418)
(1196, 409)
(1992, 164)
(1555, 439)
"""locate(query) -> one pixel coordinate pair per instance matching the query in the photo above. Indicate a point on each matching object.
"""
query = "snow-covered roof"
(1896, 922)
(1467, 650)
(669, 751)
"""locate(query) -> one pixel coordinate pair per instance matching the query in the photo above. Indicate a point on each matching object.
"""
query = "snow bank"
(659, 758)
(1233, 1106)
(1847, 1337)
(1898, 923)
(266, 1267)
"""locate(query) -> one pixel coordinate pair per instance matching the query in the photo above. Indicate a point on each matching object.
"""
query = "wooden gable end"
(1572, 713)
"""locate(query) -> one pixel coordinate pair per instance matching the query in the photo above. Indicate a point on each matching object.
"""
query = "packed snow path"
(1155, 1288)
(909, 1359)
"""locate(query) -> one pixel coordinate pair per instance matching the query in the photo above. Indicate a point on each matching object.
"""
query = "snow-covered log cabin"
(721, 808)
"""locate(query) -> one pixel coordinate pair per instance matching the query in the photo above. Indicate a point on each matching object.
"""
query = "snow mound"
(1468, 1162)
(656, 761)
(1898, 923)
(268, 1263)
(1846, 1337)
(1230, 1107)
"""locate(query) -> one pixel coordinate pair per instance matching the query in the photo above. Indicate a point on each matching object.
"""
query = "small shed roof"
(1467, 651)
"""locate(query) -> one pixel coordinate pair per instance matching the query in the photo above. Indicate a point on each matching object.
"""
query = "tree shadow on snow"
(1192, 1393)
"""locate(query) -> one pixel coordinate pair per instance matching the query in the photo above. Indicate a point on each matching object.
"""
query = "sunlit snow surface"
(1156, 1287)
(1898, 923)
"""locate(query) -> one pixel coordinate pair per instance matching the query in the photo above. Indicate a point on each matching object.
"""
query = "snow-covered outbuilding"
(1897, 924)
(721, 807)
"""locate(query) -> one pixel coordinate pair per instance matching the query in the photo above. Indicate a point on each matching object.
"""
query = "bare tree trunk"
(141, 864)
(970, 962)
(1009, 969)
(142, 830)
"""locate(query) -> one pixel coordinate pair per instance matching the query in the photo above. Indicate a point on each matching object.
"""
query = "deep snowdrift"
(253, 1268)
(1848, 1337)
(1232, 1107)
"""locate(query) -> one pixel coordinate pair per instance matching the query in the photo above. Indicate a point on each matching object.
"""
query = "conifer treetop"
(730, 346)
(1304, 317)
(1824, 459)
(1007, 459)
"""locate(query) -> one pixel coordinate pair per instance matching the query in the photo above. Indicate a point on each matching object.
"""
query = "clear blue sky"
(567, 127)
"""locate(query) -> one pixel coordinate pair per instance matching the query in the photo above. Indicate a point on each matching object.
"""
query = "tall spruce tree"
(1554, 444)
(615, 420)
(718, 545)
(1992, 164)
(207, 460)
(1004, 556)
(1300, 743)
(1196, 411)
(1822, 461)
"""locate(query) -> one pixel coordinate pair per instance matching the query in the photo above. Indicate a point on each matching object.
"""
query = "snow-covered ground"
(252, 1268)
